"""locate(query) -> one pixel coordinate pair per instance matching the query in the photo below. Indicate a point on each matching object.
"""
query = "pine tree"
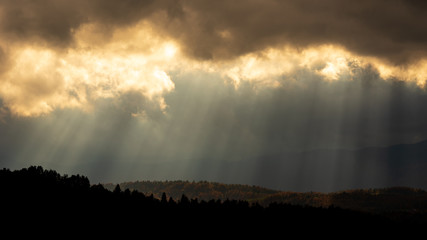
(117, 189)
(164, 199)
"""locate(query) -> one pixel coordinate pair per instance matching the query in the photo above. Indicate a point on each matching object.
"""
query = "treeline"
(384, 200)
(202, 190)
(395, 199)
(32, 194)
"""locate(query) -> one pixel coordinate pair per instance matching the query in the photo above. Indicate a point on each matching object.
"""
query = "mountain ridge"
(202, 190)
(377, 200)
(330, 170)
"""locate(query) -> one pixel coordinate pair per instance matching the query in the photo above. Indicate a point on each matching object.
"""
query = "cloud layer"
(62, 54)
(392, 30)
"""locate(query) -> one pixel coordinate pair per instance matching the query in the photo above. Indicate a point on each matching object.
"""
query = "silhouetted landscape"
(395, 199)
(396, 165)
(197, 118)
(202, 190)
(33, 192)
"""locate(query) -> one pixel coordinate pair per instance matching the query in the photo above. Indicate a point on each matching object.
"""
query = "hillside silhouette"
(202, 190)
(36, 196)
(396, 165)
(395, 199)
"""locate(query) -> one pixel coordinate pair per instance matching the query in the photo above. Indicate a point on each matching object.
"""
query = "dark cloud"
(4, 61)
(393, 30)
(54, 21)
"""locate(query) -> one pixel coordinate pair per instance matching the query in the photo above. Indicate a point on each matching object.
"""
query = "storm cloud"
(55, 21)
(49, 49)
(391, 30)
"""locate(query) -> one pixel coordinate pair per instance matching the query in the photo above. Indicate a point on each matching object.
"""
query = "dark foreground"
(43, 199)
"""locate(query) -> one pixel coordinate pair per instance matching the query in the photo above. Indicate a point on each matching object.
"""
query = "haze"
(227, 91)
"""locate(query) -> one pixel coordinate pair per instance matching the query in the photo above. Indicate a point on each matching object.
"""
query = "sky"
(226, 91)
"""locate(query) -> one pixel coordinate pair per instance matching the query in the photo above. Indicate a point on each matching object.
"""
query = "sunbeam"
(291, 95)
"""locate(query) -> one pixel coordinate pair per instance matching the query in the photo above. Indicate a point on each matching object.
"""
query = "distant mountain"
(201, 190)
(328, 170)
(396, 199)
(387, 178)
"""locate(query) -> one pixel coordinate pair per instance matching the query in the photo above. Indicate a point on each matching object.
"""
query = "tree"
(117, 189)
(184, 200)
(171, 201)
(164, 199)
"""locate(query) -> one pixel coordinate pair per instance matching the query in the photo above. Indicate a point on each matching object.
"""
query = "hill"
(331, 170)
(44, 199)
(395, 199)
(202, 190)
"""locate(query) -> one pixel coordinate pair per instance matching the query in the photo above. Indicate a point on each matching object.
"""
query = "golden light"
(413, 73)
(42, 79)
(170, 50)
(333, 69)
(139, 59)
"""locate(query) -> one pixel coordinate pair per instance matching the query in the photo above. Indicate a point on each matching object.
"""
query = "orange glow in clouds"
(138, 59)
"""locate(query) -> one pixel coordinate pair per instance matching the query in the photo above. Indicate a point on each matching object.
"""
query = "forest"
(202, 190)
(396, 200)
(32, 192)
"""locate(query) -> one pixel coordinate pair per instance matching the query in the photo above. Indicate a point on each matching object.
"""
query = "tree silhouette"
(184, 200)
(164, 200)
(117, 189)
(36, 193)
